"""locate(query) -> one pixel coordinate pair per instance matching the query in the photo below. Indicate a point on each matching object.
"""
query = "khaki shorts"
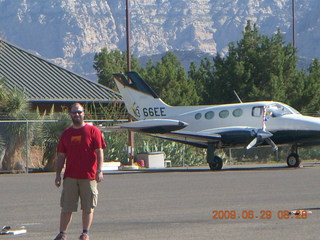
(73, 188)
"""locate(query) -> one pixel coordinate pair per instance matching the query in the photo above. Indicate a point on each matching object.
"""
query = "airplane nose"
(300, 122)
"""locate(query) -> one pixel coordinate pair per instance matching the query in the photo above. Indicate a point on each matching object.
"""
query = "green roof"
(43, 81)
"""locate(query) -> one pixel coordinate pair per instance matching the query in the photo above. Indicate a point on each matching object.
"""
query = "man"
(80, 150)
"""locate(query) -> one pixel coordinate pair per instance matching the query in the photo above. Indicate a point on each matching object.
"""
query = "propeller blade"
(262, 135)
(252, 143)
(273, 145)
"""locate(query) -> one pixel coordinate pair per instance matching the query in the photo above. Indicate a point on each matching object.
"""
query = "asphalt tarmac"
(250, 202)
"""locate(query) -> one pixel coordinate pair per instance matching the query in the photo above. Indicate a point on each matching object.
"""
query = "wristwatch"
(99, 171)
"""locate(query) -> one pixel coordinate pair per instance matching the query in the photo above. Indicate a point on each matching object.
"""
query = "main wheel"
(215, 163)
(293, 160)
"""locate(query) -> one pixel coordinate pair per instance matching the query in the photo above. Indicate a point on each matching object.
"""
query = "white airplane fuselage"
(280, 117)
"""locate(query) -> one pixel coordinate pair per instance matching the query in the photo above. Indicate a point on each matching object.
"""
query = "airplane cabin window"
(257, 111)
(197, 116)
(237, 112)
(209, 115)
(224, 114)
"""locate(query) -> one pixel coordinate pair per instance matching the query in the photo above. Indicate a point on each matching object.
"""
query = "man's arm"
(60, 164)
(99, 174)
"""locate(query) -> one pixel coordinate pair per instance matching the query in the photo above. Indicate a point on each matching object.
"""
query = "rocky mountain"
(70, 32)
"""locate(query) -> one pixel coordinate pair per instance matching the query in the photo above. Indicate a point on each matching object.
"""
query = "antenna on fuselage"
(235, 93)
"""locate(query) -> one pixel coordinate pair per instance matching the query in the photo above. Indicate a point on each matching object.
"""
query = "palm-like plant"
(13, 106)
(50, 135)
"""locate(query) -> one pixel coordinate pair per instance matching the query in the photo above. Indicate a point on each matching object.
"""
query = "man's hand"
(60, 165)
(58, 181)
(99, 176)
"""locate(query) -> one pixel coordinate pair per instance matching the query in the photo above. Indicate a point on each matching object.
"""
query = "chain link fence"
(30, 145)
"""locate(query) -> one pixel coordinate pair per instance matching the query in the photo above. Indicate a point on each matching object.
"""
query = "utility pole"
(128, 36)
(293, 24)
(130, 133)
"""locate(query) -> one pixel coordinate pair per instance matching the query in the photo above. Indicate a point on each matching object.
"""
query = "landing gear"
(215, 162)
(293, 159)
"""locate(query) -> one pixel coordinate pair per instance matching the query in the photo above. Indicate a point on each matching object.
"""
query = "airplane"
(212, 127)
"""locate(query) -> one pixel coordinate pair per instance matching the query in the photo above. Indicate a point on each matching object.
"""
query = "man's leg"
(87, 218)
(89, 197)
(65, 219)
(69, 203)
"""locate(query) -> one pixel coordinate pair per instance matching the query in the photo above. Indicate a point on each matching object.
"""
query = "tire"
(216, 163)
(293, 160)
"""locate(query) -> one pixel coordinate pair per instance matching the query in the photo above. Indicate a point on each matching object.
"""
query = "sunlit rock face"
(70, 32)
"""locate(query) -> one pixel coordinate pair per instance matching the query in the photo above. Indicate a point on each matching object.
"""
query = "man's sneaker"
(84, 236)
(61, 236)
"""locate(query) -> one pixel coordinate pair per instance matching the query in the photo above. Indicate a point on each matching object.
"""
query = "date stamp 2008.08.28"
(259, 214)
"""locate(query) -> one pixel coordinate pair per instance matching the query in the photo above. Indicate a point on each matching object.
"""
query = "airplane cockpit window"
(198, 116)
(237, 112)
(224, 114)
(274, 110)
(277, 110)
(209, 115)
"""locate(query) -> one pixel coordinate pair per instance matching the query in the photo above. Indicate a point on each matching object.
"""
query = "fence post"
(27, 146)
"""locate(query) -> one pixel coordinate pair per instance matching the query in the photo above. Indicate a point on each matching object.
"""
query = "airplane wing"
(192, 138)
(223, 137)
(172, 129)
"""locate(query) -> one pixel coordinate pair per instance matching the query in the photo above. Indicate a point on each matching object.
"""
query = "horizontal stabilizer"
(155, 125)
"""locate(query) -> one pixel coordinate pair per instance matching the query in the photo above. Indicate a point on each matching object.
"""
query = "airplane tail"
(140, 100)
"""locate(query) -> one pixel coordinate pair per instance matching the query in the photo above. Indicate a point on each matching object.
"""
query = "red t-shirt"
(79, 145)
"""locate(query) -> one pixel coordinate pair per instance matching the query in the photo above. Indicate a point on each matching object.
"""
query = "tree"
(256, 67)
(307, 89)
(313, 87)
(265, 65)
(106, 63)
(169, 80)
(201, 78)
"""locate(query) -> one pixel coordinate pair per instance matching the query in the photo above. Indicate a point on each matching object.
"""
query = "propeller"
(273, 145)
(263, 135)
